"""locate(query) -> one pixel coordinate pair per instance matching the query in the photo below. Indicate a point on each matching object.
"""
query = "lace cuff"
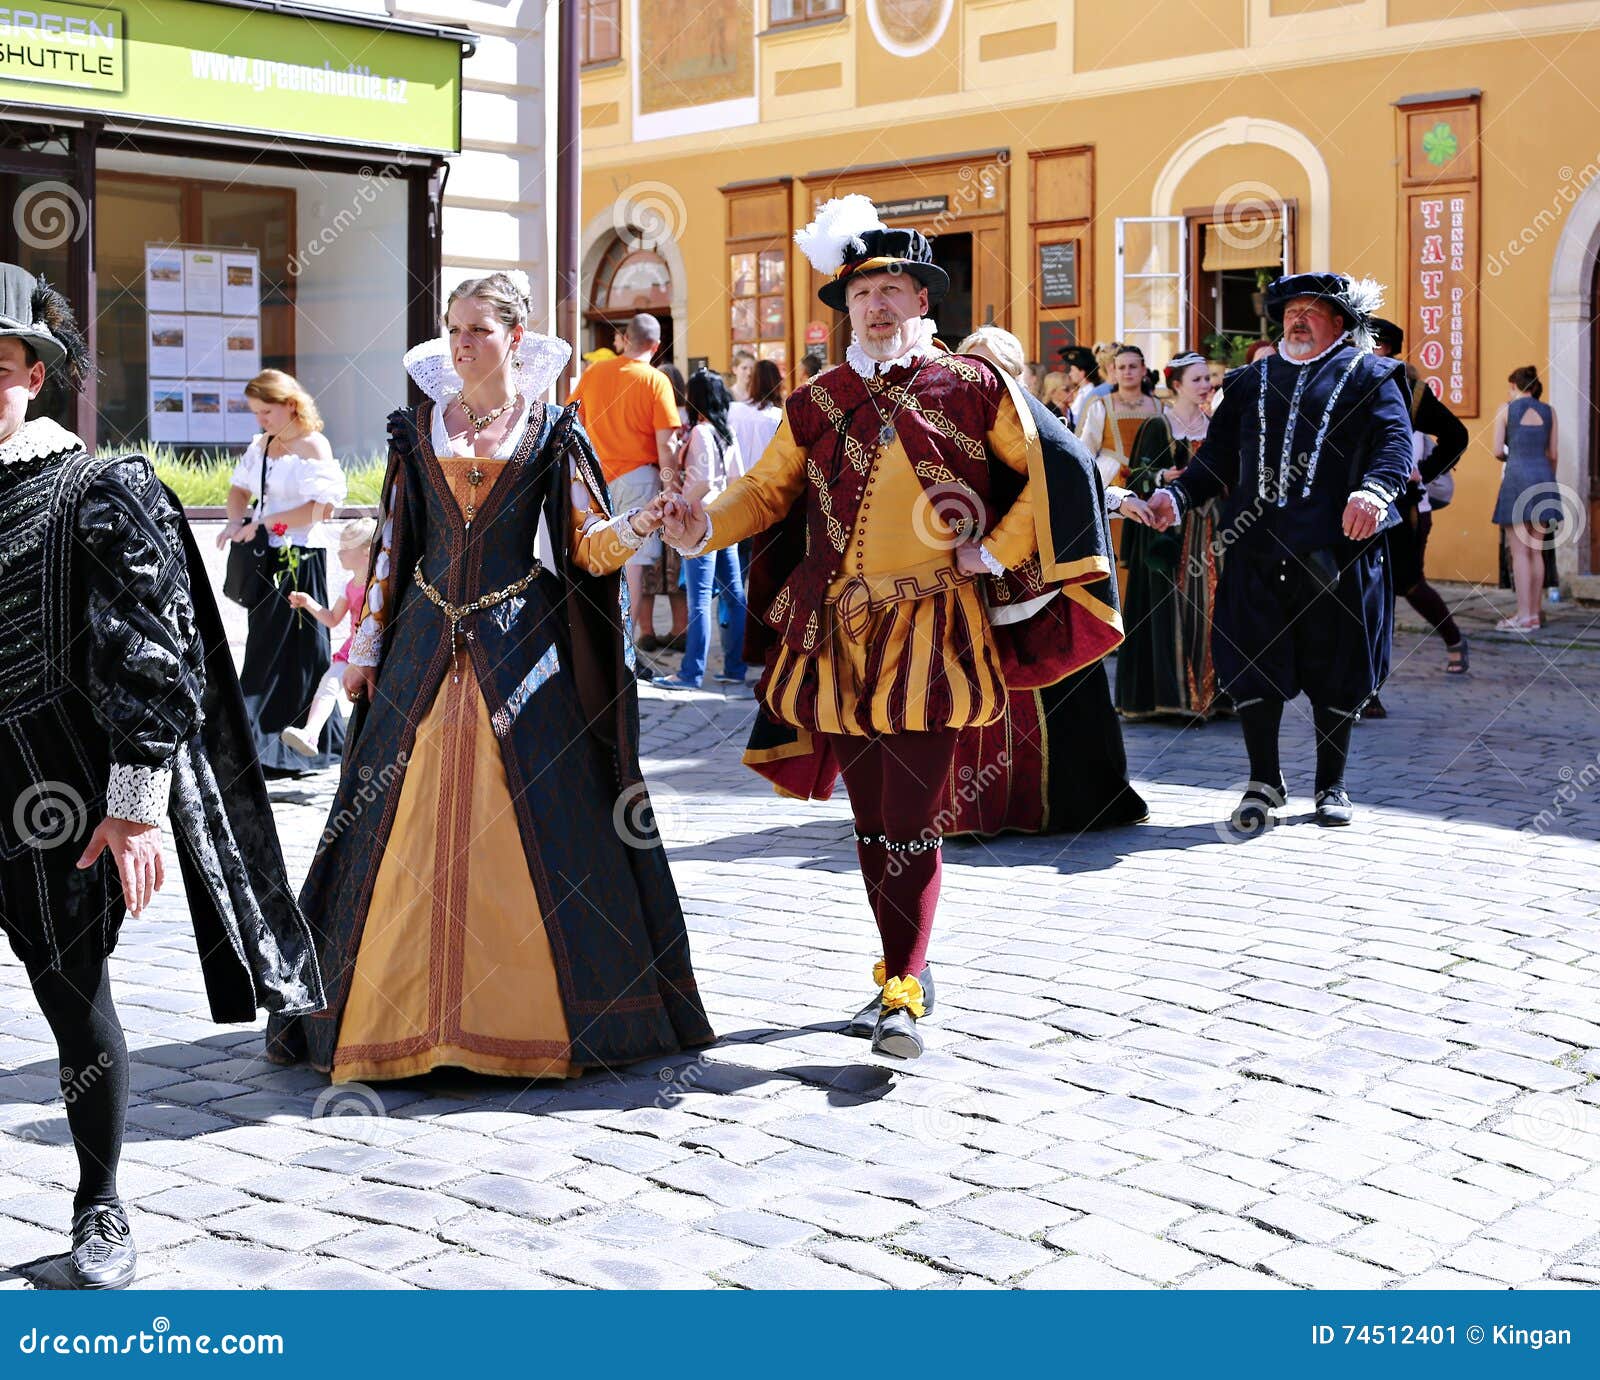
(622, 526)
(990, 562)
(1180, 500)
(366, 643)
(699, 548)
(138, 794)
(1114, 497)
(1377, 491)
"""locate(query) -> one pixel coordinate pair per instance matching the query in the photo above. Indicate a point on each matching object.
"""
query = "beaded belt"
(456, 612)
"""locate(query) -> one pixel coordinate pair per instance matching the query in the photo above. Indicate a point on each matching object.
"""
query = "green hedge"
(203, 482)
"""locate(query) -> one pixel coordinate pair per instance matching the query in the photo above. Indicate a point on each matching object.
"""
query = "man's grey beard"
(897, 344)
(1299, 348)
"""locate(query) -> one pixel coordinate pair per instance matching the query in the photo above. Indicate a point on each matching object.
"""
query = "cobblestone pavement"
(1160, 1057)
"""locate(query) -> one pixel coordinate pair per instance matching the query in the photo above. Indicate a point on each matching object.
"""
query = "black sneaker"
(1253, 814)
(103, 1256)
(1334, 808)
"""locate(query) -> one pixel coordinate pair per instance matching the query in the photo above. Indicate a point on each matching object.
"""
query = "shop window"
(798, 11)
(759, 304)
(135, 210)
(1152, 297)
(632, 280)
(599, 31)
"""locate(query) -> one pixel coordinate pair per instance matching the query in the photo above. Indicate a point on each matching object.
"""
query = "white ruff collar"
(37, 439)
(921, 347)
(543, 358)
(1287, 358)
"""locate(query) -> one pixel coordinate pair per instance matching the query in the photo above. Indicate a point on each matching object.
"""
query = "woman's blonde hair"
(997, 344)
(275, 386)
(500, 292)
(1052, 381)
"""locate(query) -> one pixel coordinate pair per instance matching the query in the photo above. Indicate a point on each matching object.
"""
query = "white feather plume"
(840, 224)
(1365, 298)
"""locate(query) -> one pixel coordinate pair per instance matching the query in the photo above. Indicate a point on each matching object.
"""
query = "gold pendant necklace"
(478, 423)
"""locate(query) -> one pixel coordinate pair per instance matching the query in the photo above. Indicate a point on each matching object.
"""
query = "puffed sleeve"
(247, 473)
(321, 481)
(761, 496)
(366, 643)
(145, 671)
(1015, 537)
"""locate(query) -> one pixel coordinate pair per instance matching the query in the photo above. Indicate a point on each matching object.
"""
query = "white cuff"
(138, 794)
(991, 563)
(1371, 489)
(623, 527)
(700, 546)
(1179, 501)
(1114, 497)
(366, 644)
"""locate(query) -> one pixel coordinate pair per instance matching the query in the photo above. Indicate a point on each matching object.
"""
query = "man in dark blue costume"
(1311, 444)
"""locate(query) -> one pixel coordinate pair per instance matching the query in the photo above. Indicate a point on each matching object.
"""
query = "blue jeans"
(721, 569)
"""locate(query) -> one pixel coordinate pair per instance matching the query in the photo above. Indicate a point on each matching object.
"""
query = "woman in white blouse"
(286, 651)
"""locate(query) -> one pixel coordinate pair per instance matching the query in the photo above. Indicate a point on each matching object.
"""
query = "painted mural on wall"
(694, 52)
(908, 28)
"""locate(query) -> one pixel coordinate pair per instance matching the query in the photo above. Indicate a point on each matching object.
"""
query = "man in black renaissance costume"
(1311, 444)
(118, 704)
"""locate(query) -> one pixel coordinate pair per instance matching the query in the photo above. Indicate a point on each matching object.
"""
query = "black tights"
(1261, 721)
(94, 1072)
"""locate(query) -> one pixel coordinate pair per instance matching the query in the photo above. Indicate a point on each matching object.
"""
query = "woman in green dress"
(1164, 665)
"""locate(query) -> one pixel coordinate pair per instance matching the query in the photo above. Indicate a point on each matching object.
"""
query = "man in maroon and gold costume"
(915, 561)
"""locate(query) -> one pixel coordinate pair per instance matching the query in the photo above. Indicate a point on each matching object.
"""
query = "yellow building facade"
(1092, 171)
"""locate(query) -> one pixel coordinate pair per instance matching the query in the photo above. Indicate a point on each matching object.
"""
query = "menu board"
(202, 341)
(1058, 274)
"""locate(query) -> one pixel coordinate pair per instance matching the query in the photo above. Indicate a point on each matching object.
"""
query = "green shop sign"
(227, 67)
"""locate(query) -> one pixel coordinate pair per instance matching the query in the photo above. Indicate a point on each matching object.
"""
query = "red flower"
(280, 529)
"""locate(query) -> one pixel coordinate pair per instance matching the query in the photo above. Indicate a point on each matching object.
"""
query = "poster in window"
(241, 353)
(163, 278)
(1055, 336)
(744, 318)
(203, 346)
(700, 52)
(168, 359)
(1058, 274)
(207, 421)
(773, 265)
(240, 423)
(742, 275)
(169, 413)
(775, 350)
(202, 280)
(241, 288)
(774, 321)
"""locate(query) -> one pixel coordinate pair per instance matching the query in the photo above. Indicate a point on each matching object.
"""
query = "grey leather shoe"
(865, 1021)
(103, 1256)
(896, 1035)
(1334, 808)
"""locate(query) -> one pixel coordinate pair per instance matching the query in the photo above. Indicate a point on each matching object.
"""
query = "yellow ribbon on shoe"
(903, 993)
(880, 974)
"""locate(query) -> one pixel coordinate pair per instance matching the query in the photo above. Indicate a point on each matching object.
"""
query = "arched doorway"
(1574, 352)
(628, 280)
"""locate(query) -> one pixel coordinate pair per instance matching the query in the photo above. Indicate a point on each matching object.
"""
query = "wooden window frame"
(809, 15)
(1199, 327)
(587, 56)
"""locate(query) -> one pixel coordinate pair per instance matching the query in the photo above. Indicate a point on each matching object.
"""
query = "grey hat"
(27, 307)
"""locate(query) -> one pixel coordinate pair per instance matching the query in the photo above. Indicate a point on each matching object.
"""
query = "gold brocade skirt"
(454, 966)
(914, 665)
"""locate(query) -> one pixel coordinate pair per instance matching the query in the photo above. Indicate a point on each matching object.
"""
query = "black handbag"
(248, 579)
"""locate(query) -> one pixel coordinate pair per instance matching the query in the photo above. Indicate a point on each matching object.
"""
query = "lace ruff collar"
(1287, 358)
(542, 357)
(39, 439)
(921, 347)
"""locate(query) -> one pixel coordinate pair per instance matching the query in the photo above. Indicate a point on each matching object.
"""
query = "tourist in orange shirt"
(632, 419)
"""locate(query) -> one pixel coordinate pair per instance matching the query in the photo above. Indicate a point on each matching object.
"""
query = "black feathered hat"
(847, 238)
(1355, 299)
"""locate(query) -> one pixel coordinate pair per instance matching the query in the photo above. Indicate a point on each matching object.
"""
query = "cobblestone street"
(1160, 1057)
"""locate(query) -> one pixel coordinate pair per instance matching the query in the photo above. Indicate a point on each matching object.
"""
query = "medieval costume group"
(931, 599)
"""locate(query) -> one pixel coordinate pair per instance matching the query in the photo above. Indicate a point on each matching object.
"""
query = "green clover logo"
(1440, 145)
